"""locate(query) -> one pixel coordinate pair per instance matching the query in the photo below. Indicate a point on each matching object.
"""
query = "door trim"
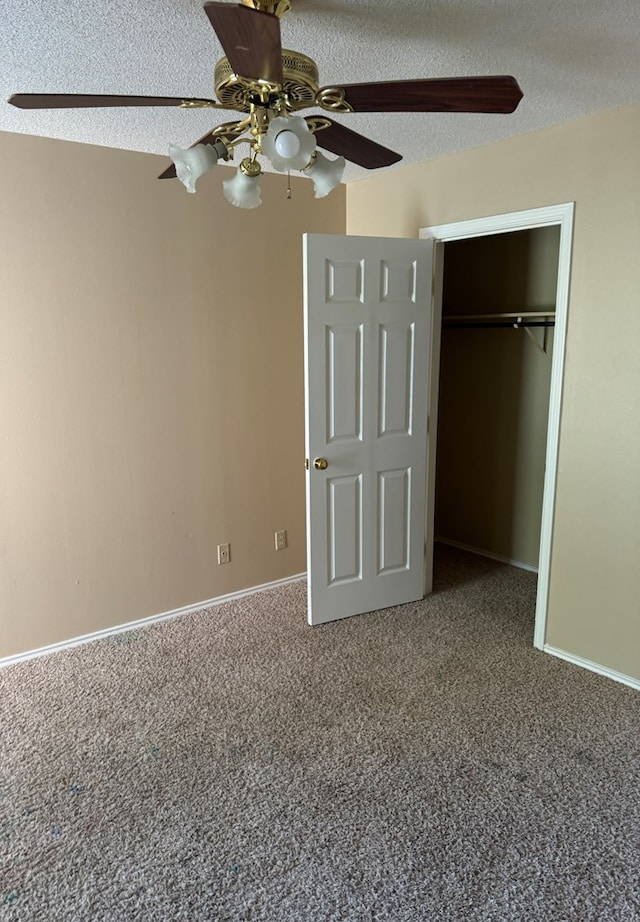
(561, 215)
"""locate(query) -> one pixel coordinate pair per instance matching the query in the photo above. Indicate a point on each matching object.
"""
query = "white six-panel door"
(367, 328)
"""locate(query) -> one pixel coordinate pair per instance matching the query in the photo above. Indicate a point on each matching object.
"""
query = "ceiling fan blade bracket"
(333, 99)
(232, 129)
(201, 104)
(318, 123)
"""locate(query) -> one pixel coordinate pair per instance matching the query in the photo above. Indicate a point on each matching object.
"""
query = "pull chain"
(288, 184)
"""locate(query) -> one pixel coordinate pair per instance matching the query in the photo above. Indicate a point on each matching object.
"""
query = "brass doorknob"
(321, 464)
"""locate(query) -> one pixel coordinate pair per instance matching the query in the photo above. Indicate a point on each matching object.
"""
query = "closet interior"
(499, 299)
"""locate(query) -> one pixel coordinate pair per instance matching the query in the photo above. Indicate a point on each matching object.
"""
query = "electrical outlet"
(224, 553)
(281, 540)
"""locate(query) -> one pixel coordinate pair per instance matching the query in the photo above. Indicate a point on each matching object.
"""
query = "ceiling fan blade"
(441, 94)
(250, 39)
(80, 101)
(209, 138)
(354, 147)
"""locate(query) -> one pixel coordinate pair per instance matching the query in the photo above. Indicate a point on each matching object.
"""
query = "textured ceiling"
(571, 58)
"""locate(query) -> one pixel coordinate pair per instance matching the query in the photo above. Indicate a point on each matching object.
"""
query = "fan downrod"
(275, 7)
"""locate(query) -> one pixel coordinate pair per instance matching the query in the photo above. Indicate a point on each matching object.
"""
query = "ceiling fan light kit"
(269, 85)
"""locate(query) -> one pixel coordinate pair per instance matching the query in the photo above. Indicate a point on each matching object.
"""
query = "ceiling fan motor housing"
(300, 83)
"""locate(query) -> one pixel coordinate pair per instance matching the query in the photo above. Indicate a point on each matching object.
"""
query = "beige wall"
(594, 607)
(151, 392)
(151, 398)
(494, 394)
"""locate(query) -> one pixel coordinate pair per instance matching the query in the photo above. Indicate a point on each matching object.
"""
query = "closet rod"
(515, 324)
(501, 316)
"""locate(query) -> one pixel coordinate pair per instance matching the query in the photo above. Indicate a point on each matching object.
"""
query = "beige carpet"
(421, 763)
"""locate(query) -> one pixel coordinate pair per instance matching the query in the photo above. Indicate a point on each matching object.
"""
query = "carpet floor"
(418, 763)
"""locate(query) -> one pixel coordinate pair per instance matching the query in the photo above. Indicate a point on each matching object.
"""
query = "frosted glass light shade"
(288, 143)
(326, 174)
(243, 191)
(193, 163)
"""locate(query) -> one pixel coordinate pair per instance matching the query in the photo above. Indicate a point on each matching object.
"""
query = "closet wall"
(494, 395)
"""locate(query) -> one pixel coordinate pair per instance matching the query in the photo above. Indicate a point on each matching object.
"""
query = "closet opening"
(498, 310)
(495, 400)
(501, 291)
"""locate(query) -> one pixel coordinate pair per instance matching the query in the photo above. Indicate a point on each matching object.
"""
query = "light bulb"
(287, 144)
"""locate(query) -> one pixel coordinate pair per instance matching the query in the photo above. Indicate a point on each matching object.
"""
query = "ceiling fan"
(269, 85)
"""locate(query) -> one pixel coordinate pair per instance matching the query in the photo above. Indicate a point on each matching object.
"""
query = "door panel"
(367, 329)
(345, 528)
(344, 400)
(393, 526)
(397, 347)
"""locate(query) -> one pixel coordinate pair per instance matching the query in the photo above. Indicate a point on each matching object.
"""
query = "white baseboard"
(593, 667)
(489, 554)
(145, 622)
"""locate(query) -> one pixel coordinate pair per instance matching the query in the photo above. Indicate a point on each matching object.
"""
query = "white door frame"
(561, 215)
